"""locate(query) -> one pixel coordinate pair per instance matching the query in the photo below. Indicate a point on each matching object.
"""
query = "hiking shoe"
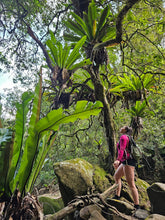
(116, 197)
(137, 206)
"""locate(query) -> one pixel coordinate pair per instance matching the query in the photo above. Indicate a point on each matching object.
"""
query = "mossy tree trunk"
(107, 114)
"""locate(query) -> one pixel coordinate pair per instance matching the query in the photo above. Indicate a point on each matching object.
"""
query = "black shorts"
(130, 162)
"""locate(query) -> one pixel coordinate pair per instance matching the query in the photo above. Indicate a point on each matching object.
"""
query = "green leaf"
(45, 143)
(56, 117)
(75, 27)
(66, 51)
(102, 20)
(89, 26)
(81, 23)
(22, 110)
(6, 149)
(71, 37)
(60, 54)
(31, 145)
(54, 51)
(53, 39)
(92, 12)
(75, 52)
(81, 64)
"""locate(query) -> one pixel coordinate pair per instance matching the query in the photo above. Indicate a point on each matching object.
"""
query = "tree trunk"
(108, 118)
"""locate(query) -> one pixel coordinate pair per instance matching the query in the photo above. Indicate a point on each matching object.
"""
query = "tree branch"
(119, 31)
(48, 60)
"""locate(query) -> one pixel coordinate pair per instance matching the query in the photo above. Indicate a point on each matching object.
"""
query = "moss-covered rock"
(75, 178)
(101, 179)
(51, 205)
(142, 186)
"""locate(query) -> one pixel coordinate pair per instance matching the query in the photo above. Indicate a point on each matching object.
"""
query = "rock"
(121, 206)
(50, 204)
(141, 214)
(91, 212)
(75, 178)
(156, 194)
(142, 186)
(101, 179)
(155, 217)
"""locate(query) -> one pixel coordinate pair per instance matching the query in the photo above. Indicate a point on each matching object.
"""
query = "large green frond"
(66, 51)
(81, 22)
(92, 12)
(45, 143)
(102, 20)
(89, 25)
(20, 128)
(57, 117)
(31, 145)
(6, 150)
(71, 37)
(54, 51)
(53, 39)
(81, 64)
(75, 52)
(60, 54)
(107, 33)
(75, 27)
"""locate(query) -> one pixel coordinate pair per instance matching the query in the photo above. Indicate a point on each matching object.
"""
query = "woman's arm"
(123, 144)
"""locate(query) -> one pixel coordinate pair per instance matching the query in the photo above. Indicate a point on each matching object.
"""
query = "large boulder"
(156, 194)
(75, 178)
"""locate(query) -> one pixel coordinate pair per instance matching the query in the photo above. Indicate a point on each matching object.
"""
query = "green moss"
(50, 205)
(143, 184)
(143, 196)
(100, 179)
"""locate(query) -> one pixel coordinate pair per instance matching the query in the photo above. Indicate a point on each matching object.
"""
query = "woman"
(125, 166)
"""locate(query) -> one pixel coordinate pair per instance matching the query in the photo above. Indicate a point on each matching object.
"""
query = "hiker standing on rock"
(125, 166)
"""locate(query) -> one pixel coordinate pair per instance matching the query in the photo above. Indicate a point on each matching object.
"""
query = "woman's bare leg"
(129, 174)
(119, 173)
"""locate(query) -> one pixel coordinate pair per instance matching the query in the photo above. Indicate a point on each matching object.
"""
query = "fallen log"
(87, 200)
(77, 204)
